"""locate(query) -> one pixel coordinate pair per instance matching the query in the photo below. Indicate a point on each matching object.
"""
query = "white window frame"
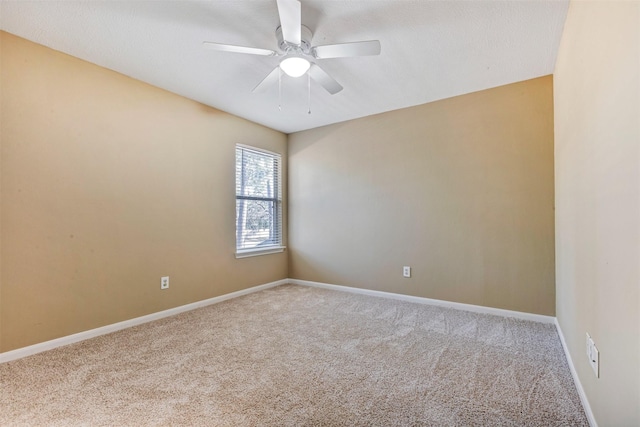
(276, 199)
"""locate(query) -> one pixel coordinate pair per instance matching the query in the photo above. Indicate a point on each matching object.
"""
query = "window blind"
(258, 199)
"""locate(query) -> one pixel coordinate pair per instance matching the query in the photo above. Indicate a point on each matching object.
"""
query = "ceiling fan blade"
(271, 78)
(324, 79)
(290, 12)
(343, 50)
(237, 49)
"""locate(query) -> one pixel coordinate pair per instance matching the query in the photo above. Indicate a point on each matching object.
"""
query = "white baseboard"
(456, 305)
(576, 379)
(81, 336)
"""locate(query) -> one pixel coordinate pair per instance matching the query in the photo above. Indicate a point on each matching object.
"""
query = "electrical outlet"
(406, 271)
(594, 356)
(164, 282)
(595, 360)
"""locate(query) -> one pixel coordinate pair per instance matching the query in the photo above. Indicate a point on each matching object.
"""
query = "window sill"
(262, 251)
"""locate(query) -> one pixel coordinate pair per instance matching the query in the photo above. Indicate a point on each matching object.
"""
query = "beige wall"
(461, 190)
(597, 119)
(107, 185)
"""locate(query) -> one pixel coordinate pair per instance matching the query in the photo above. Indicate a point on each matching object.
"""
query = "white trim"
(92, 333)
(576, 379)
(246, 253)
(81, 336)
(456, 305)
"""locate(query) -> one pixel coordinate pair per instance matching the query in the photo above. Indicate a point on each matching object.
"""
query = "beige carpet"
(299, 356)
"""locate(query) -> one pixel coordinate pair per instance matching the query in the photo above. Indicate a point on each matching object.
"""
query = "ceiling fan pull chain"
(279, 88)
(309, 93)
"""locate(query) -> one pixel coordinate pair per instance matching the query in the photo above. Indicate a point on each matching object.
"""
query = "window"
(258, 202)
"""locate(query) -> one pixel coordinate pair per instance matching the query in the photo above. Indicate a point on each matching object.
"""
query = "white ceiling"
(430, 49)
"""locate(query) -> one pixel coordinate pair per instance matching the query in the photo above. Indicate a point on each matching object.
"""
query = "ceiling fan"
(298, 55)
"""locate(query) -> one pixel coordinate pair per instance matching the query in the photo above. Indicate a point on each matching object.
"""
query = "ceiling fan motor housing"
(305, 41)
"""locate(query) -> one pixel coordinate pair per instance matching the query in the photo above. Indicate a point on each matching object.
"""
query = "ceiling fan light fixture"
(295, 66)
